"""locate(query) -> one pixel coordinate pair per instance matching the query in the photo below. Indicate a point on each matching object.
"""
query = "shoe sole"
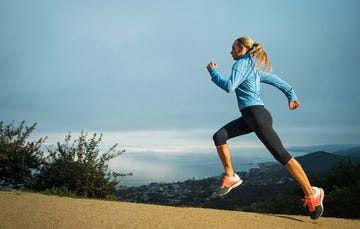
(322, 195)
(231, 188)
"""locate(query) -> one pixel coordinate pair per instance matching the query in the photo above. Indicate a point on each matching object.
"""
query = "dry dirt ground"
(31, 210)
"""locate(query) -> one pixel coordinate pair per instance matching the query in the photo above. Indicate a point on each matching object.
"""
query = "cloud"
(159, 141)
(122, 66)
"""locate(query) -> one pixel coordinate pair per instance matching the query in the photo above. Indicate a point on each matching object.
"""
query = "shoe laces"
(224, 181)
(227, 181)
(309, 201)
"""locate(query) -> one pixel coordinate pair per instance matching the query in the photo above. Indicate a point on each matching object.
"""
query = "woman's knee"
(220, 137)
(283, 158)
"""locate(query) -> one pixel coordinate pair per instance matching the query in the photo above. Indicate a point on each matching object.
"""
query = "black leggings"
(254, 119)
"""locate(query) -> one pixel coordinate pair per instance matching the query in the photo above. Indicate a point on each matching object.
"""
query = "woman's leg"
(225, 157)
(314, 196)
(295, 169)
(232, 129)
(260, 120)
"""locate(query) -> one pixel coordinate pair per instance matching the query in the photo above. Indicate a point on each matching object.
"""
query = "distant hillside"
(327, 148)
(353, 152)
(321, 161)
(316, 162)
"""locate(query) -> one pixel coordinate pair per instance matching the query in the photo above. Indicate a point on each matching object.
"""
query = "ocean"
(166, 168)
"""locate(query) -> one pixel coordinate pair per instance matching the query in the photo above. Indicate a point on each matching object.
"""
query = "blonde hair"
(262, 60)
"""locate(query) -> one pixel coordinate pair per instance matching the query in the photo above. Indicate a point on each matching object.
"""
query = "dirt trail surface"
(31, 210)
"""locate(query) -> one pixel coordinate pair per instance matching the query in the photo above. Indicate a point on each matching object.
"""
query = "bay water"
(150, 167)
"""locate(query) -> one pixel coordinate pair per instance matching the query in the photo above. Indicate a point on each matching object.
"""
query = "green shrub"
(20, 158)
(79, 167)
(59, 191)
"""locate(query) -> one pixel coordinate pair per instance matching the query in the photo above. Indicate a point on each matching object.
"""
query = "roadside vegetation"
(71, 168)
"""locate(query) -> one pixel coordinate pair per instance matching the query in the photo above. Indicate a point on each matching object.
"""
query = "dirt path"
(30, 210)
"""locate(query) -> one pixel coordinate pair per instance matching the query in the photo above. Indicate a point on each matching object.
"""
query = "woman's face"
(237, 51)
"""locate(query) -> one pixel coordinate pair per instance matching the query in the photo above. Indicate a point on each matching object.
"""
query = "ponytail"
(262, 60)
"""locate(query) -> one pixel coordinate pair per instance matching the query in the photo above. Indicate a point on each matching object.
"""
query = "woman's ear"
(243, 50)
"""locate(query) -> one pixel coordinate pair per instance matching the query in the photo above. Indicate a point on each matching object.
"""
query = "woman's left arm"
(277, 82)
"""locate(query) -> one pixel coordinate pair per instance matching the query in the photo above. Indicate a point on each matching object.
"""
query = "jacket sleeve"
(275, 81)
(229, 85)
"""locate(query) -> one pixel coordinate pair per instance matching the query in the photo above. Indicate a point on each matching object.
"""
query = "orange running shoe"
(228, 184)
(315, 203)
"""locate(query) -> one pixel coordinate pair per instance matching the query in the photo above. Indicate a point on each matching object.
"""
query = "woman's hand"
(212, 65)
(294, 105)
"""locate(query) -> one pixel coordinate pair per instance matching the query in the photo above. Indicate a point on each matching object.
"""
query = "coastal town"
(202, 193)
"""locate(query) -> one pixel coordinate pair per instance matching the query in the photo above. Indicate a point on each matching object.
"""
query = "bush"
(59, 191)
(79, 167)
(20, 159)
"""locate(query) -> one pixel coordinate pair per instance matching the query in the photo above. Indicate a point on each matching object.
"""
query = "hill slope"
(354, 152)
(29, 210)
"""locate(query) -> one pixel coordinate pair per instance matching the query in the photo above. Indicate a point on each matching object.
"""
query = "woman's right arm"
(229, 85)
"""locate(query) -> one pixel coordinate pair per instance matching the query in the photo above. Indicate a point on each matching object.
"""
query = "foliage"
(342, 188)
(79, 167)
(59, 191)
(287, 202)
(19, 158)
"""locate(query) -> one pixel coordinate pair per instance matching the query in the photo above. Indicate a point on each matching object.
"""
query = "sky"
(136, 70)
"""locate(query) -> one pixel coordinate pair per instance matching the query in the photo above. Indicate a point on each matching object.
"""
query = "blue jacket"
(245, 81)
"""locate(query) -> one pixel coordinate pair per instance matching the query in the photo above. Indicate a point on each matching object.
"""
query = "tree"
(19, 158)
(79, 167)
(343, 190)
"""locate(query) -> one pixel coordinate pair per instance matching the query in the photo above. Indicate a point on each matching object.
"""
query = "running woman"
(251, 67)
